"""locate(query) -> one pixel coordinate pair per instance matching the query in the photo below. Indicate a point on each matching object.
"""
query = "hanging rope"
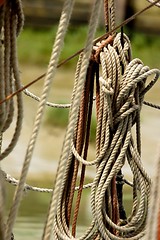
(119, 102)
(57, 208)
(10, 25)
(122, 100)
(64, 21)
(119, 96)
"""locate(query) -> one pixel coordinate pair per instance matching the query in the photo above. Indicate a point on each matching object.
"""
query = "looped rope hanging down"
(11, 23)
(57, 47)
(121, 101)
(120, 92)
(119, 96)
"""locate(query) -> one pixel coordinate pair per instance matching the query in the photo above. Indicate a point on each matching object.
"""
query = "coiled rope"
(121, 100)
(119, 96)
(10, 25)
(60, 229)
(122, 97)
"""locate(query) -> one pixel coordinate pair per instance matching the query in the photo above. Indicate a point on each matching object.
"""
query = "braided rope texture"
(123, 85)
(11, 23)
(55, 206)
(63, 25)
(120, 92)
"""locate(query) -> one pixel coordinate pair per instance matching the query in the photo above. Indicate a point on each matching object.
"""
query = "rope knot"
(99, 48)
(106, 86)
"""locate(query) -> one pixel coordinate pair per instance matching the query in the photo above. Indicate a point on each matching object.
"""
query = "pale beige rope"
(152, 1)
(49, 104)
(64, 21)
(111, 14)
(55, 207)
(154, 206)
(13, 181)
(2, 88)
(10, 80)
(67, 105)
(135, 73)
(9, 179)
(142, 179)
(2, 232)
(131, 77)
(9, 111)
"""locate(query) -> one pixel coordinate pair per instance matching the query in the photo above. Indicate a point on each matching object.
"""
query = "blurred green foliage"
(58, 117)
(35, 45)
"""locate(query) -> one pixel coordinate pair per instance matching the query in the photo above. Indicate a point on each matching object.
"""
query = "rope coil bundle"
(119, 101)
(119, 96)
(11, 24)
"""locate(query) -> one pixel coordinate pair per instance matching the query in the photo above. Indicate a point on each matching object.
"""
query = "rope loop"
(11, 24)
(120, 84)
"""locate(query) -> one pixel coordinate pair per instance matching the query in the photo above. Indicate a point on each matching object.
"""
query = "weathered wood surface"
(47, 12)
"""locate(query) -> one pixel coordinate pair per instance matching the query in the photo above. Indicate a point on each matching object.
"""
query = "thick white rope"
(63, 25)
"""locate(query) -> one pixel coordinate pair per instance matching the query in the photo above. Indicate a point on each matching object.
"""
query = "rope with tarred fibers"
(64, 21)
(60, 229)
(135, 74)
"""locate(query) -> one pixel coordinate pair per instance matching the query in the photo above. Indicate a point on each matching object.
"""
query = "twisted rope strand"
(66, 13)
(120, 94)
(17, 83)
(59, 186)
